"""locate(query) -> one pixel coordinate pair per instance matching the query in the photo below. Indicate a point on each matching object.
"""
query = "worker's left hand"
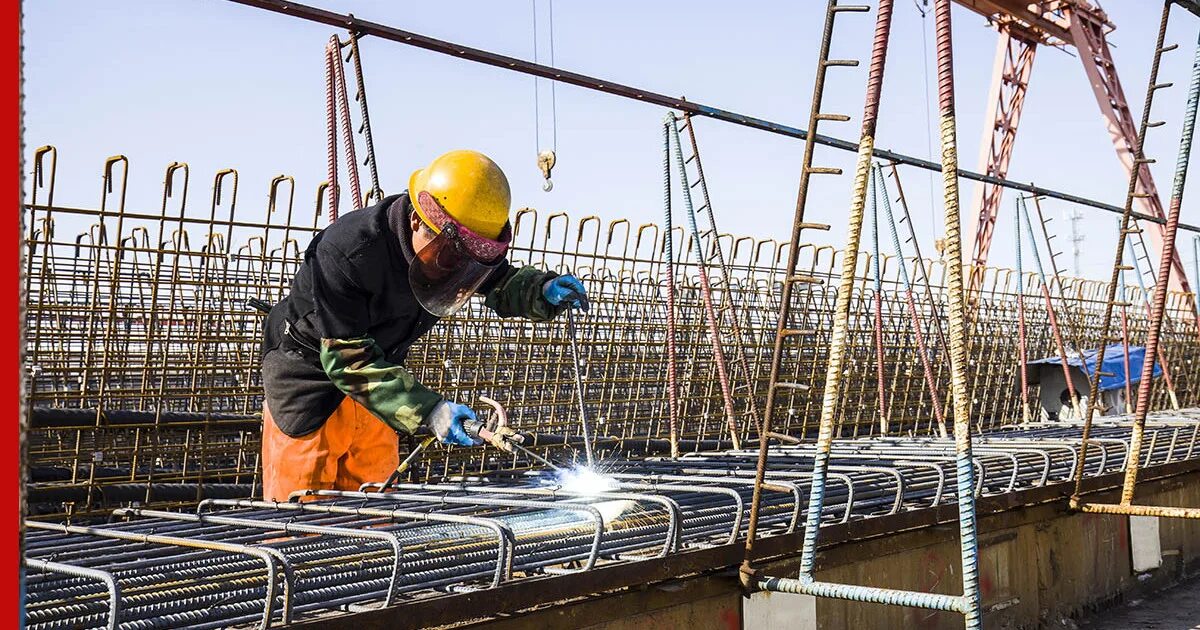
(566, 289)
(446, 421)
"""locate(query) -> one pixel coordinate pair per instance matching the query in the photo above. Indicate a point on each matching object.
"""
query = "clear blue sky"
(221, 85)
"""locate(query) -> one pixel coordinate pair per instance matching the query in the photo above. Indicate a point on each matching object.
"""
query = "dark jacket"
(347, 324)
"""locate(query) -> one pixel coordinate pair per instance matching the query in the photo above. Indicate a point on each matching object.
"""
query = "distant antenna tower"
(1076, 241)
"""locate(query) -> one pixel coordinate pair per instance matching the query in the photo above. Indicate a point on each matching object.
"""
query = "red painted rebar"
(331, 151)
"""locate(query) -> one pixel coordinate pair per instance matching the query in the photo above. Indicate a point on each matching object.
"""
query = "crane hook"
(545, 161)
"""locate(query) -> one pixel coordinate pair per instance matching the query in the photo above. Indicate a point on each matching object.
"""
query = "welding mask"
(451, 268)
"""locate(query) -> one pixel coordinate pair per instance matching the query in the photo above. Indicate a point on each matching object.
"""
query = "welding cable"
(710, 312)
(918, 332)
(669, 253)
(878, 303)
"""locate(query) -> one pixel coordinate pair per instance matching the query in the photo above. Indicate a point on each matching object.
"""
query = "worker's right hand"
(446, 422)
(503, 437)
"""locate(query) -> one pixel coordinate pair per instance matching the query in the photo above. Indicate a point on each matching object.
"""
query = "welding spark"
(588, 482)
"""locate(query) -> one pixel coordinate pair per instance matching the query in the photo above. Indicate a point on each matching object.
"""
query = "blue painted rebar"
(1026, 413)
(926, 359)
(1056, 332)
(1196, 268)
(710, 312)
(877, 302)
(669, 254)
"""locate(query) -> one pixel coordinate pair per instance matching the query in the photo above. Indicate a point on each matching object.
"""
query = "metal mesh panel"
(145, 310)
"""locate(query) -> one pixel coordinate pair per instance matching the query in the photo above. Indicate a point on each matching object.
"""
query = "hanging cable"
(546, 158)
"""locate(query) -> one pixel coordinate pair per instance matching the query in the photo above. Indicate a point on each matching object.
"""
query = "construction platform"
(489, 547)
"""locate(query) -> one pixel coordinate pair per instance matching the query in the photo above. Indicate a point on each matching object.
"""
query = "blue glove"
(446, 422)
(566, 289)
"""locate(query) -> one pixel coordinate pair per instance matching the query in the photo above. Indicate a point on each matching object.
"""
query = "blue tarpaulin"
(1114, 365)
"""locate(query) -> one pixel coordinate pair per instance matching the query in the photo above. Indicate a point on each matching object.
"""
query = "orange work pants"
(353, 447)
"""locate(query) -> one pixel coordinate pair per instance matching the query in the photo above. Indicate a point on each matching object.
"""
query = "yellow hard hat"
(469, 186)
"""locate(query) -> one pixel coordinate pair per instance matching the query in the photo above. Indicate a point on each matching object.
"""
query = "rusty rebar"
(956, 316)
(1139, 160)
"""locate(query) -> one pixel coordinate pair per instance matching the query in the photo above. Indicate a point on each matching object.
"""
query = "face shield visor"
(451, 268)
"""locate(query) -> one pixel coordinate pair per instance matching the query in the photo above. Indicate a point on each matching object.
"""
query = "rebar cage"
(143, 346)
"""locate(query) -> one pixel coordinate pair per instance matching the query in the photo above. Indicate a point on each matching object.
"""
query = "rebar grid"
(242, 562)
(143, 355)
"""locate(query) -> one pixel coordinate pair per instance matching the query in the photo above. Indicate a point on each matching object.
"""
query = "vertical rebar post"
(1055, 329)
(669, 256)
(914, 317)
(376, 191)
(710, 312)
(1126, 227)
(1147, 294)
(955, 313)
(1022, 351)
(729, 301)
(841, 316)
(1160, 286)
(877, 303)
(815, 116)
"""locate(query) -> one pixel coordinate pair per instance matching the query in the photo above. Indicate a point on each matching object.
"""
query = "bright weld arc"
(588, 482)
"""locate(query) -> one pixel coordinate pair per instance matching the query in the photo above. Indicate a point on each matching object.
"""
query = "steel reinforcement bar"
(241, 561)
(1158, 304)
(182, 392)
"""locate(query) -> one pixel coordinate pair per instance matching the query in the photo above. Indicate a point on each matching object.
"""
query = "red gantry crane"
(1078, 24)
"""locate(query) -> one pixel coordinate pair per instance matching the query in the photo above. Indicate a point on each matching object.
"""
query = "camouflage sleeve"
(518, 293)
(358, 368)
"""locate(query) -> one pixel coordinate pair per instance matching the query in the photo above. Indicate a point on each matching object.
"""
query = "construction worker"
(336, 392)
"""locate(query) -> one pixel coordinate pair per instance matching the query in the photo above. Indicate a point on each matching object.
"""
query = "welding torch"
(500, 436)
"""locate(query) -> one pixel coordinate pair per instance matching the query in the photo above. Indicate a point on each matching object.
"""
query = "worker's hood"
(445, 273)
